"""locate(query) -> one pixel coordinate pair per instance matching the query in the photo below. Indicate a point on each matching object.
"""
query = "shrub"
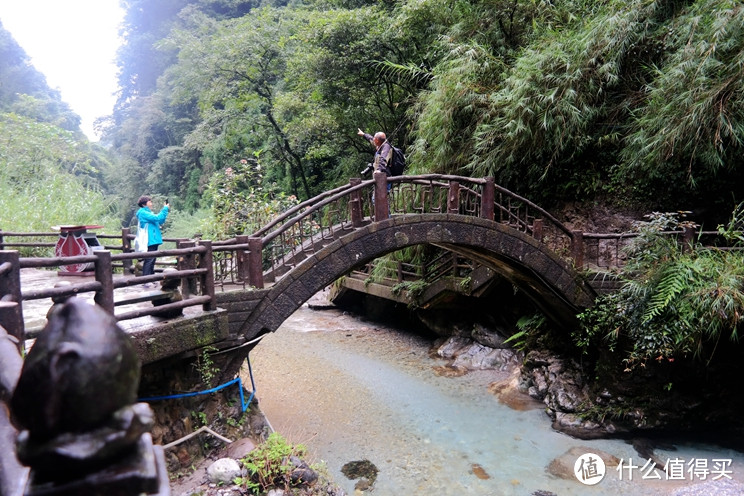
(269, 465)
(677, 302)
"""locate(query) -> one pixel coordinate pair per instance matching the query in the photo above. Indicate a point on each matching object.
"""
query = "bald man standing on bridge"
(382, 150)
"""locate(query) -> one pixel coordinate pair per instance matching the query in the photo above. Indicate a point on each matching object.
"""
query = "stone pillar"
(207, 279)
(688, 238)
(488, 196)
(11, 311)
(255, 262)
(355, 203)
(537, 229)
(453, 198)
(105, 275)
(126, 247)
(577, 249)
(382, 207)
(187, 262)
(241, 258)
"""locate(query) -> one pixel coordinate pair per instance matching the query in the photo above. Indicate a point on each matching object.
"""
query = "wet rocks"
(508, 393)
(470, 355)
(364, 470)
(301, 473)
(559, 383)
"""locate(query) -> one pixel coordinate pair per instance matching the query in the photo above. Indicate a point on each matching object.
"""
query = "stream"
(352, 390)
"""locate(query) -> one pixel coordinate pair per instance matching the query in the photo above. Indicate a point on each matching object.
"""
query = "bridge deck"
(34, 311)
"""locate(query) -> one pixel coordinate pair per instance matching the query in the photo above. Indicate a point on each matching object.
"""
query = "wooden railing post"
(537, 229)
(577, 249)
(241, 258)
(207, 279)
(126, 247)
(687, 238)
(104, 272)
(355, 203)
(255, 262)
(187, 262)
(453, 198)
(2, 240)
(488, 195)
(11, 300)
(382, 207)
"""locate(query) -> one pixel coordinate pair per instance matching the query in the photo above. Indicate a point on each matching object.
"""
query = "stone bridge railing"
(304, 229)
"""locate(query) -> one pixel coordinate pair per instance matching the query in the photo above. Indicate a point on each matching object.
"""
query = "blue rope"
(243, 403)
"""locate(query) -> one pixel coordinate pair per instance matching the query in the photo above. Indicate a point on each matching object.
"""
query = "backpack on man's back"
(397, 162)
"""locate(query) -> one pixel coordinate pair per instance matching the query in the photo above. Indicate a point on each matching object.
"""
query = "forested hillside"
(635, 101)
(630, 102)
(50, 173)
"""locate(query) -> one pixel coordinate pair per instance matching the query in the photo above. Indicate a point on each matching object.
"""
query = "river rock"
(223, 470)
(488, 337)
(453, 346)
(575, 426)
(479, 357)
(509, 393)
(563, 466)
(239, 448)
(557, 382)
(301, 472)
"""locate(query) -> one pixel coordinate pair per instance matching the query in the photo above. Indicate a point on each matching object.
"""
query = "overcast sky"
(73, 43)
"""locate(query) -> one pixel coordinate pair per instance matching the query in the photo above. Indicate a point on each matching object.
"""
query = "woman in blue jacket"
(151, 222)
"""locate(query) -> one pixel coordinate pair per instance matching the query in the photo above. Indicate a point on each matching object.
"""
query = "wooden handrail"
(103, 286)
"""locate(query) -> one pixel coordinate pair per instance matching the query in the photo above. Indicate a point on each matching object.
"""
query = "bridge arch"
(552, 284)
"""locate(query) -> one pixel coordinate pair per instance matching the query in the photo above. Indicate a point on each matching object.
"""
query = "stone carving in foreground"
(81, 430)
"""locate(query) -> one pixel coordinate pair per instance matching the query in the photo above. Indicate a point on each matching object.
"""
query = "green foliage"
(733, 232)
(693, 117)
(636, 100)
(205, 366)
(469, 51)
(412, 289)
(48, 177)
(678, 301)
(529, 327)
(200, 418)
(269, 466)
(242, 201)
(549, 106)
(187, 225)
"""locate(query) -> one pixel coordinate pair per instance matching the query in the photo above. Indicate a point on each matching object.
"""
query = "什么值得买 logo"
(589, 469)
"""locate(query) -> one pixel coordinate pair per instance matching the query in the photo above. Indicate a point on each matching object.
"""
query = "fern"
(672, 283)
(675, 304)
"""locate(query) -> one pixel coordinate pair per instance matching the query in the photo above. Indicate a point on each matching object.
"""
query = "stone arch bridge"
(550, 281)
(322, 239)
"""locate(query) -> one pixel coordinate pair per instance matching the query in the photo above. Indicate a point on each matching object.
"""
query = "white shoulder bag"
(140, 242)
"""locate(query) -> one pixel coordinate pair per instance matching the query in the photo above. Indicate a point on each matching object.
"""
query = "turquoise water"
(353, 390)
